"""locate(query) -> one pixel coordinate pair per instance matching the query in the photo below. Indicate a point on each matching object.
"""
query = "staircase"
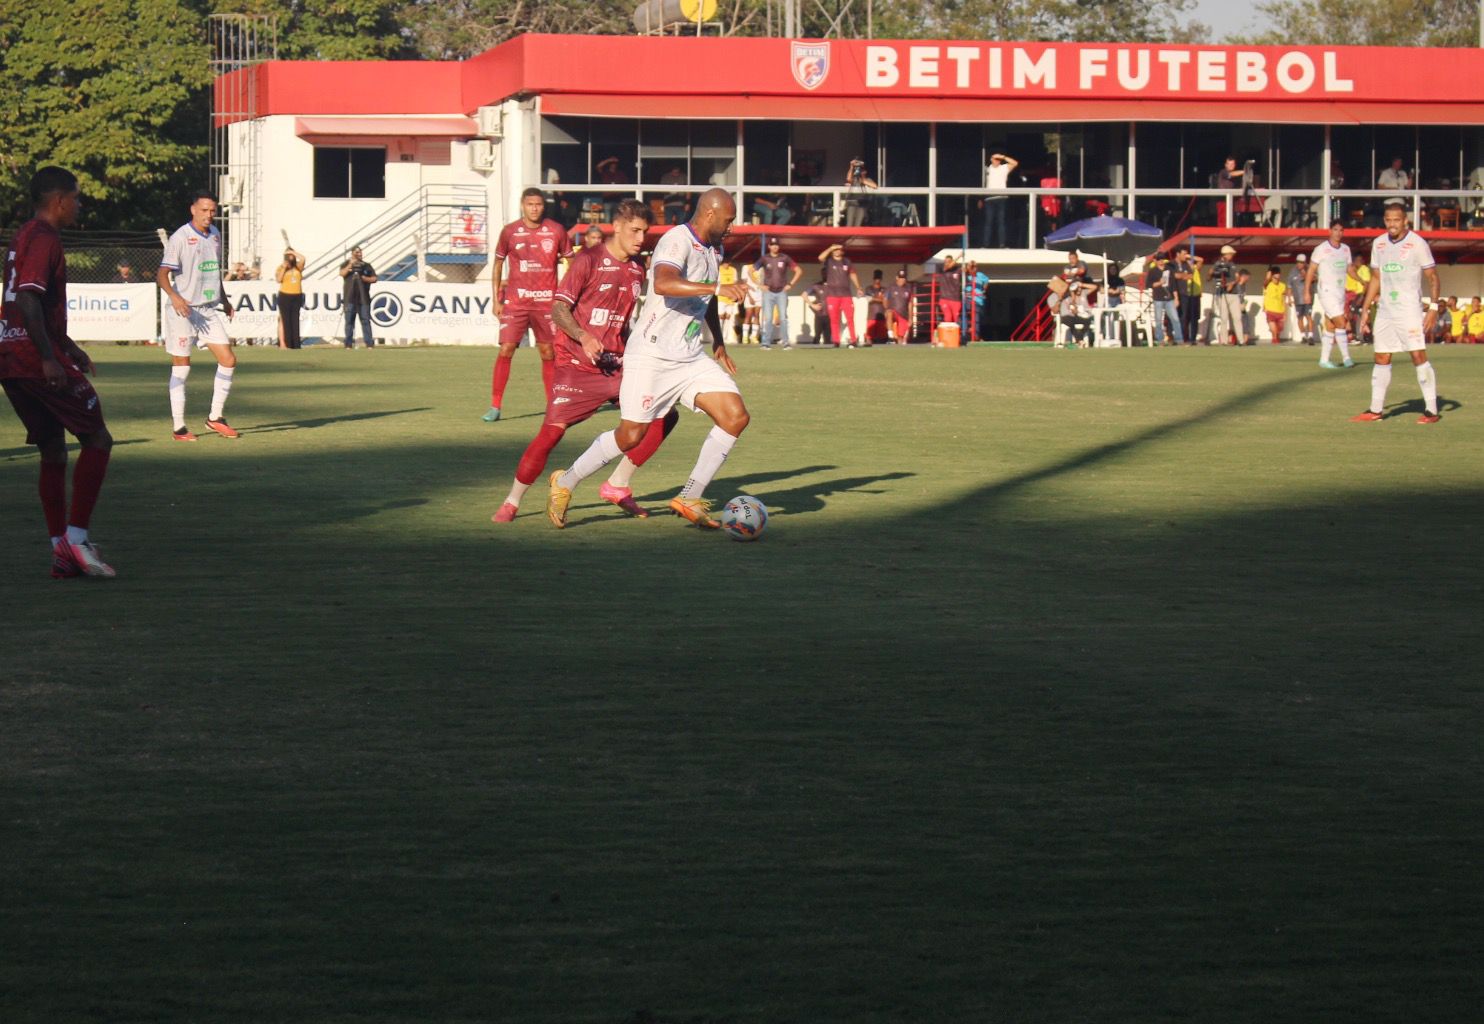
(450, 221)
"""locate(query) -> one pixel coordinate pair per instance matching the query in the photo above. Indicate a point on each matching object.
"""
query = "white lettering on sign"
(1295, 72)
(1137, 79)
(1041, 71)
(962, 58)
(1174, 61)
(922, 67)
(1252, 72)
(1210, 71)
(1094, 65)
(1332, 80)
(881, 67)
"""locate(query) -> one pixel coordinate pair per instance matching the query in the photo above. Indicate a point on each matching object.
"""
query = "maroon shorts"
(515, 322)
(48, 411)
(576, 395)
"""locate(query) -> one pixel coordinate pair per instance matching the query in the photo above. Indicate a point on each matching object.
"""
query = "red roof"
(1281, 245)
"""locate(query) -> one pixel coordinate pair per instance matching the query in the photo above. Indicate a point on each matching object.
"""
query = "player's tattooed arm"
(34, 318)
(561, 315)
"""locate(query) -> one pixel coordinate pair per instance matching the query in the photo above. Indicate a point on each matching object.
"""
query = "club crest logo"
(810, 63)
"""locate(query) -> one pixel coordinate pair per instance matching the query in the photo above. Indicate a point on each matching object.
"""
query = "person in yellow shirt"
(1275, 302)
(727, 311)
(1357, 278)
(290, 276)
(1474, 335)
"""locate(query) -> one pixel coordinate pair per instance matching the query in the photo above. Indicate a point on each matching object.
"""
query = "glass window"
(664, 149)
(1094, 155)
(713, 152)
(1392, 142)
(1299, 155)
(564, 150)
(615, 150)
(766, 143)
(905, 156)
(1350, 157)
(343, 172)
(961, 156)
(1440, 156)
(1159, 162)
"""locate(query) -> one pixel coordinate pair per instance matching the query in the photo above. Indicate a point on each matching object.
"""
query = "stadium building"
(420, 161)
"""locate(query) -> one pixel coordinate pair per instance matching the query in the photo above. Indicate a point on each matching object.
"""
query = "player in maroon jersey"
(591, 311)
(533, 245)
(43, 373)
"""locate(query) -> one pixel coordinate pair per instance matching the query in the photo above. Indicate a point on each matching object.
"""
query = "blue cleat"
(1349, 363)
(492, 415)
(1326, 364)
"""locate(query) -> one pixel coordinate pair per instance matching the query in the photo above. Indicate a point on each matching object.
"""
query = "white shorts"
(652, 387)
(1397, 336)
(1331, 304)
(207, 325)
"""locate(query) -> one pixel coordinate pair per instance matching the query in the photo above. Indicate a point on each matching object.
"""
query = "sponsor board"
(111, 312)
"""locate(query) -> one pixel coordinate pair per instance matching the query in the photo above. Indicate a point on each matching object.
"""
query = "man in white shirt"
(993, 234)
(1400, 260)
(1324, 283)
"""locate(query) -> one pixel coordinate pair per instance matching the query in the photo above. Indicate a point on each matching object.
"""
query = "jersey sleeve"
(1375, 246)
(672, 250)
(171, 258)
(565, 250)
(1424, 255)
(502, 243)
(573, 281)
(34, 264)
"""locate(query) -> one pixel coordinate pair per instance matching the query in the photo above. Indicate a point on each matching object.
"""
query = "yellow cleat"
(697, 510)
(557, 501)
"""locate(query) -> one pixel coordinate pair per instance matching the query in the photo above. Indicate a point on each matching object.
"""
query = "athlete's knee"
(99, 440)
(546, 350)
(227, 359)
(734, 420)
(507, 349)
(53, 449)
(628, 435)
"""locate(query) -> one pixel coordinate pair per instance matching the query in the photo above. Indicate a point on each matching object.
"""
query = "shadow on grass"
(1416, 407)
(325, 421)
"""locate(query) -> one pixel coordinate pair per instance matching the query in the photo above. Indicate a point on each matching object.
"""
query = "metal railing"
(435, 223)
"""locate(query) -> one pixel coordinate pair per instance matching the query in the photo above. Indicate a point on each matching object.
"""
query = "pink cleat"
(505, 515)
(623, 498)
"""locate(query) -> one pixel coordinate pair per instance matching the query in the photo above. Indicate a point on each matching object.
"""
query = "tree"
(113, 90)
(455, 29)
(333, 29)
(1338, 23)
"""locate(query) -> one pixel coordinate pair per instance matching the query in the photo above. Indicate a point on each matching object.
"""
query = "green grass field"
(1065, 686)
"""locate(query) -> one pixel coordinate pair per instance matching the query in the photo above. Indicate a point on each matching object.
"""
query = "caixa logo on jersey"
(810, 62)
(386, 310)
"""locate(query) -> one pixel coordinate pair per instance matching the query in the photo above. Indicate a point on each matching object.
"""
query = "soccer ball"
(744, 518)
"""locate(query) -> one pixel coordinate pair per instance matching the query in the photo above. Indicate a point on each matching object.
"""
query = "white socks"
(622, 473)
(1340, 341)
(602, 451)
(221, 390)
(1429, 382)
(178, 375)
(713, 453)
(517, 492)
(1380, 381)
(1326, 345)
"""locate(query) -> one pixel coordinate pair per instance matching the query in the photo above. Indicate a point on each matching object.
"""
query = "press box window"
(349, 173)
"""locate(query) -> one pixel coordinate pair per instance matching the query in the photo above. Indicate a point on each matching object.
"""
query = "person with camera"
(1229, 295)
(857, 184)
(359, 277)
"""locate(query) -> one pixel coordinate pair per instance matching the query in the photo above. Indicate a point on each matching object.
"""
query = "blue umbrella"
(1114, 238)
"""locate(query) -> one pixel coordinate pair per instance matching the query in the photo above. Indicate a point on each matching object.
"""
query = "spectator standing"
(978, 283)
(728, 311)
(1228, 300)
(857, 185)
(125, 275)
(359, 276)
(752, 304)
(1475, 329)
(1452, 321)
(592, 236)
(1275, 302)
(1244, 277)
(290, 278)
(839, 277)
(950, 291)
(993, 233)
(778, 273)
(818, 309)
(1230, 177)
(1186, 274)
(875, 310)
(1160, 280)
(1303, 312)
(899, 309)
(1357, 278)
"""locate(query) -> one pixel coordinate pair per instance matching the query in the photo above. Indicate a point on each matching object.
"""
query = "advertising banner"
(400, 310)
(111, 312)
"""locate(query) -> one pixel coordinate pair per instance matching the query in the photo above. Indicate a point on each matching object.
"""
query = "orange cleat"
(697, 510)
(1366, 417)
(222, 427)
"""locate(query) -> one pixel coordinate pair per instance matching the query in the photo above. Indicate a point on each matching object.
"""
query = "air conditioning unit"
(481, 154)
(491, 122)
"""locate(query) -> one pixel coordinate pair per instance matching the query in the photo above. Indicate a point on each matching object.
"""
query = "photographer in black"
(857, 184)
(359, 276)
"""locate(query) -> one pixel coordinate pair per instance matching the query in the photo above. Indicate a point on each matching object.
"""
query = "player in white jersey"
(190, 275)
(1400, 259)
(1326, 282)
(664, 363)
